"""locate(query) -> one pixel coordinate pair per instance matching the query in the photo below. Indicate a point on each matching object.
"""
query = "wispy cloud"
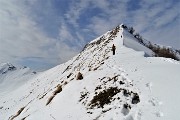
(76, 9)
(22, 37)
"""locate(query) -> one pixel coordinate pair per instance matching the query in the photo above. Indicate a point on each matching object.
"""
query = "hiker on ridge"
(113, 49)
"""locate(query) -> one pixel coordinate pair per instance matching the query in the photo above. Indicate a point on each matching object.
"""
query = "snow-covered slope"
(131, 42)
(124, 86)
(12, 77)
(141, 43)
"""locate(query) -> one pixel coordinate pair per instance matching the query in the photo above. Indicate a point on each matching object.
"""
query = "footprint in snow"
(159, 114)
(138, 115)
(130, 118)
(155, 102)
(149, 85)
(125, 111)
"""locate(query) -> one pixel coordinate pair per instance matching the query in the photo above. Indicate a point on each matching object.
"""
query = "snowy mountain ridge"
(12, 77)
(96, 85)
(159, 50)
(5, 67)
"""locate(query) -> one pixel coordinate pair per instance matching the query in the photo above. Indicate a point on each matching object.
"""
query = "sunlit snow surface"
(156, 80)
(12, 77)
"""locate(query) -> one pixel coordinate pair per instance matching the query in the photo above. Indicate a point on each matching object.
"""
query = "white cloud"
(21, 38)
(168, 17)
(75, 10)
(102, 4)
(111, 15)
(18, 32)
(64, 33)
(99, 25)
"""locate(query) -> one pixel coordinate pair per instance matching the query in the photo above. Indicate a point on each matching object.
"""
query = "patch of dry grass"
(58, 90)
(18, 113)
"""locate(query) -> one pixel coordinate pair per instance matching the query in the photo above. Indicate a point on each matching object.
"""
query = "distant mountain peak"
(5, 67)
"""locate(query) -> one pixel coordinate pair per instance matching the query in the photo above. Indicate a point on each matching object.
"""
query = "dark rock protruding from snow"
(135, 99)
(79, 76)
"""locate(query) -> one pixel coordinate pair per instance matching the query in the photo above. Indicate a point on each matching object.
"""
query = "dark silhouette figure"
(113, 49)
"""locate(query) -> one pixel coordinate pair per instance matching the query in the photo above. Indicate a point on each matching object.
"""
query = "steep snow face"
(148, 47)
(126, 86)
(12, 77)
(131, 42)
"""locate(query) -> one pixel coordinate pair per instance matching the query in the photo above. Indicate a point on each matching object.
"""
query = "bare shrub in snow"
(131, 30)
(50, 99)
(69, 75)
(135, 99)
(83, 95)
(18, 113)
(164, 52)
(124, 26)
(58, 90)
(65, 83)
(104, 97)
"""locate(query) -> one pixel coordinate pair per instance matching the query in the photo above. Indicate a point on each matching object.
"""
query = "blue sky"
(44, 33)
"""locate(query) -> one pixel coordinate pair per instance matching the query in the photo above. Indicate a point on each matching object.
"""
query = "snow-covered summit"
(5, 67)
(97, 85)
(12, 77)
